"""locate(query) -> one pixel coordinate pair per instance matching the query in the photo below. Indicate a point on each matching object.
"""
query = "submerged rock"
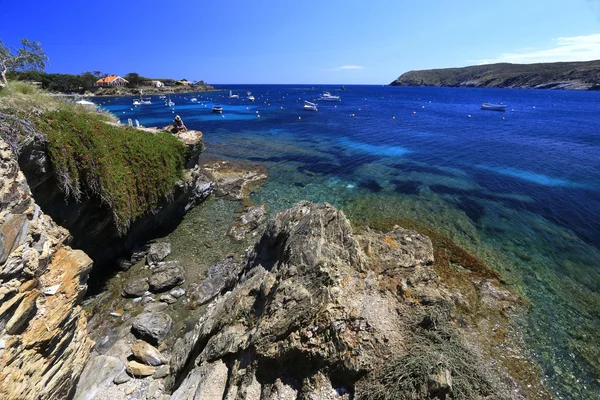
(152, 327)
(166, 276)
(136, 287)
(158, 252)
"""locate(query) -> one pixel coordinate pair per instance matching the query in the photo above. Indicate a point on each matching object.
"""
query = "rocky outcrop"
(91, 222)
(559, 75)
(320, 312)
(43, 339)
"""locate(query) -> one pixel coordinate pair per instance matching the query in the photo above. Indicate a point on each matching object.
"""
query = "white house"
(157, 84)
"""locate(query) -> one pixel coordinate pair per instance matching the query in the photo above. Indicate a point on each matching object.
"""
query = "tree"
(133, 78)
(30, 56)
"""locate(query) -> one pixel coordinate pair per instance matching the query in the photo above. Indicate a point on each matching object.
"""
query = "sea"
(519, 189)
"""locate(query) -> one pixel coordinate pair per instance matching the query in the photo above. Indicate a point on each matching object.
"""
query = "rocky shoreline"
(314, 308)
(151, 90)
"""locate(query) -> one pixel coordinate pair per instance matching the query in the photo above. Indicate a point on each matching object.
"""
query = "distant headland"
(558, 75)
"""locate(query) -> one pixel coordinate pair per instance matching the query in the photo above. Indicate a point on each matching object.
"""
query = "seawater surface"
(520, 189)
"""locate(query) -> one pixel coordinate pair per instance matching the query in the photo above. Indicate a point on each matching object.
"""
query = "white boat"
(250, 97)
(233, 96)
(169, 103)
(326, 96)
(194, 100)
(217, 108)
(142, 100)
(493, 107)
(86, 103)
(308, 106)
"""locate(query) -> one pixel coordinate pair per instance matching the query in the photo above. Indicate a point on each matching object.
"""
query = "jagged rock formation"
(560, 75)
(319, 311)
(43, 339)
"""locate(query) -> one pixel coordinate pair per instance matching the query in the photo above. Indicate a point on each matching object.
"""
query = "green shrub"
(128, 169)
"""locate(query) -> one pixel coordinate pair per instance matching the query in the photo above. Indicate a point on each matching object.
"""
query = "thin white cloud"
(347, 67)
(574, 48)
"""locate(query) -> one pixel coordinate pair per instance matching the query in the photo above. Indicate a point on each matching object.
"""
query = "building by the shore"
(111, 81)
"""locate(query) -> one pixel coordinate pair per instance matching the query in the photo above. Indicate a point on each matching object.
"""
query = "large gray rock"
(152, 327)
(136, 287)
(166, 276)
(158, 252)
(99, 373)
(316, 304)
(219, 277)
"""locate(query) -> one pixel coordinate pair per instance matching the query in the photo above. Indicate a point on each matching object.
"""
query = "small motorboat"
(194, 100)
(493, 107)
(233, 96)
(326, 96)
(308, 106)
(250, 97)
(217, 108)
(86, 103)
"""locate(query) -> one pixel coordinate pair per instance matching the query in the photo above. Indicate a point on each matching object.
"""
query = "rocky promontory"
(559, 75)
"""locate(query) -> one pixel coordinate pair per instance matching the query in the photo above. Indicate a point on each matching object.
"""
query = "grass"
(130, 170)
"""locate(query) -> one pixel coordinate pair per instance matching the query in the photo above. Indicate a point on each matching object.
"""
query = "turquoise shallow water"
(520, 189)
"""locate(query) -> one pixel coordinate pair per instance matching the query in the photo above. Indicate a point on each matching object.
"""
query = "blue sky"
(308, 41)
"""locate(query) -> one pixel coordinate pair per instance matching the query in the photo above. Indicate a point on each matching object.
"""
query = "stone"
(130, 388)
(155, 307)
(167, 298)
(147, 354)
(13, 233)
(152, 327)
(128, 306)
(177, 292)
(136, 287)
(24, 312)
(166, 277)
(440, 385)
(153, 390)
(161, 372)
(250, 220)
(158, 252)
(121, 378)
(99, 373)
(219, 276)
(138, 370)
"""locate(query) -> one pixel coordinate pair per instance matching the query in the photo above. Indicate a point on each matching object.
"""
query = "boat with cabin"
(217, 108)
(142, 100)
(326, 96)
(250, 97)
(493, 107)
(233, 96)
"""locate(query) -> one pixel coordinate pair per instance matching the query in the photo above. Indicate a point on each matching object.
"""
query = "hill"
(559, 75)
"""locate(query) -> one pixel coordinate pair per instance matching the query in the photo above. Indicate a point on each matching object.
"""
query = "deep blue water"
(520, 188)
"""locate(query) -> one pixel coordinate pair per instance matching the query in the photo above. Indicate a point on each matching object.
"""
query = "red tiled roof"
(108, 79)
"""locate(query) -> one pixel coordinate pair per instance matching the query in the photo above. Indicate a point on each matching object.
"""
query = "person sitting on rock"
(178, 125)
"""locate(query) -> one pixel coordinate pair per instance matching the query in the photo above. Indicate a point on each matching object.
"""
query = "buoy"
(503, 118)
(469, 115)
(258, 115)
(352, 115)
(414, 112)
(393, 117)
(257, 112)
(299, 117)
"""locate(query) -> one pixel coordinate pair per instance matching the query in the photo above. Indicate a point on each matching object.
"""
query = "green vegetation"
(128, 169)
(559, 75)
